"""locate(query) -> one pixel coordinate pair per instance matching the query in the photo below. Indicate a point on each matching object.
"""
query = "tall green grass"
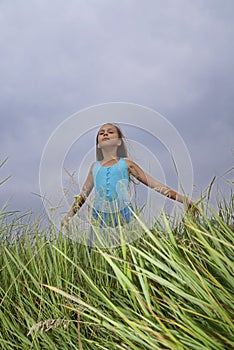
(170, 289)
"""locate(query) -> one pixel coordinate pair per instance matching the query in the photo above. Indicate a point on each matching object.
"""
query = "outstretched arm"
(81, 198)
(149, 181)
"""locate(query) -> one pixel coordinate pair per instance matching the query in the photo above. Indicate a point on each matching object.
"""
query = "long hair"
(121, 150)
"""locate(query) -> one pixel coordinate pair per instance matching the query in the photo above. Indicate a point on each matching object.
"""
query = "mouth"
(105, 139)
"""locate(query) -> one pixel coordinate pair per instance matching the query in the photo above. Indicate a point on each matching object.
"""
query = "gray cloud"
(58, 57)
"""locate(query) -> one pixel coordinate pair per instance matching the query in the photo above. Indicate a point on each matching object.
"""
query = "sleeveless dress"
(111, 199)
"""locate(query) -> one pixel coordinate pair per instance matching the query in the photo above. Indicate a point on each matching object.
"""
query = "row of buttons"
(108, 183)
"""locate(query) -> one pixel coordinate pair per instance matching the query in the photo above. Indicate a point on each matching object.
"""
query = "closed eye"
(109, 131)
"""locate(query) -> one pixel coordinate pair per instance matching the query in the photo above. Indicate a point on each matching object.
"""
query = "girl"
(110, 176)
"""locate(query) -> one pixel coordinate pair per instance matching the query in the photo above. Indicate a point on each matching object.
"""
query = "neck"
(109, 154)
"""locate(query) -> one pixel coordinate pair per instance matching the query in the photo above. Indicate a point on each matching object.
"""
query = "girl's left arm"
(149, 181)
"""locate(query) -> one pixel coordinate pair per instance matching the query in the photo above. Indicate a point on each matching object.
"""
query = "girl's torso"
(111, 185)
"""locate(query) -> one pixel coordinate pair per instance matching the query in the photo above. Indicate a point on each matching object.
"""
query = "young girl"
(110, 176)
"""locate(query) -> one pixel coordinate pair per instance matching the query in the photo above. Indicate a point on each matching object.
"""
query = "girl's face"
(108, 136)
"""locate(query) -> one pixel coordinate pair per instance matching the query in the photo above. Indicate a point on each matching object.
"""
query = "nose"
(105, 133)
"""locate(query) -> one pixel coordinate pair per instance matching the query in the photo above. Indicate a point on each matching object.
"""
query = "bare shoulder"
(129, 162)
(90, 172)
(133, 168)
(91, 166)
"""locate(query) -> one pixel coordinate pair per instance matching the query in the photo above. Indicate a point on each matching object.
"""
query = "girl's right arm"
(81, 198)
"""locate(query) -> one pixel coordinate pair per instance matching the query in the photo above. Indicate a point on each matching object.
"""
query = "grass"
(170, 289)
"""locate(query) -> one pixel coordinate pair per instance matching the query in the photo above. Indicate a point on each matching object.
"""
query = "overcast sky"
(58, 57)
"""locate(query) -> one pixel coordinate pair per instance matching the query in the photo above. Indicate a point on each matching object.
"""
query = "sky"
(60, 57)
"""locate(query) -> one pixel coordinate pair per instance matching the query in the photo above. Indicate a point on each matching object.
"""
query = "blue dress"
(112, 202)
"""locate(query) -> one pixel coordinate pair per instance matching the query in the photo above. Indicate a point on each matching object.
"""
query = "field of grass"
(171, 289)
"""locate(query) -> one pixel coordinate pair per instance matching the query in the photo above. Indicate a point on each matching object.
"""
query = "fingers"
(194, 210)
(65, 224)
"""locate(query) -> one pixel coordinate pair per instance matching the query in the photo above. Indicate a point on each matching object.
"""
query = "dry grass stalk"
(45, 326)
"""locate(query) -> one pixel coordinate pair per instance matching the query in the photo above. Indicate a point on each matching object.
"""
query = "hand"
(193, 209)
(65, 223)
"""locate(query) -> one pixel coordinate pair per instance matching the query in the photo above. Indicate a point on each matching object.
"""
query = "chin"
(108, 143)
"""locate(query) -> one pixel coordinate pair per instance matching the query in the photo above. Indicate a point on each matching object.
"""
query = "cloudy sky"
(59, 57)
